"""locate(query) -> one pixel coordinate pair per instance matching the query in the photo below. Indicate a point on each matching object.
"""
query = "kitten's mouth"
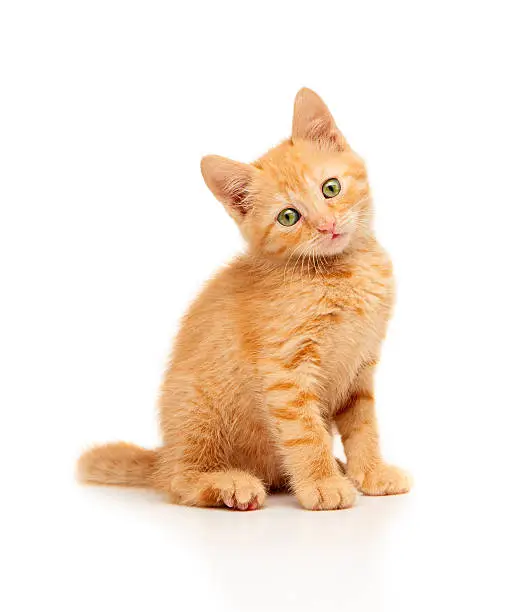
(334, 243)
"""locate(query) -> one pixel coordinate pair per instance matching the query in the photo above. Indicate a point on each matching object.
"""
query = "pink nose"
(329, 227)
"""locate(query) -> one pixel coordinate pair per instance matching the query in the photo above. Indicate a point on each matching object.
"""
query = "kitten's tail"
(118, 463)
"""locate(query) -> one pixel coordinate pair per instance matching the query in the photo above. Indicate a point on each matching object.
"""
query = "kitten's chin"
(336, 245)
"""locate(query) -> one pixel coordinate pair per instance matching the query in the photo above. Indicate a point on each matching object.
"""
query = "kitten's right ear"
(313, 121)
(230, 182)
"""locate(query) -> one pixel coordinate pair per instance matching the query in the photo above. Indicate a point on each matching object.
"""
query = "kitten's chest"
(358, 295)
(355, 306)
(325, 324)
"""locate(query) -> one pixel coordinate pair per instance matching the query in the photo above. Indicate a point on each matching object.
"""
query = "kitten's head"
(307, 196)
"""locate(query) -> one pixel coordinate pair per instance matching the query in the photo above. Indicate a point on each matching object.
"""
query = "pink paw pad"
(232, 503)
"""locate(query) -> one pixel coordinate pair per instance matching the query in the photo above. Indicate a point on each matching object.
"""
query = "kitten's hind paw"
(234, 489)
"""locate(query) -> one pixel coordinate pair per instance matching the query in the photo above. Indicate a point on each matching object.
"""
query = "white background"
(107, 232)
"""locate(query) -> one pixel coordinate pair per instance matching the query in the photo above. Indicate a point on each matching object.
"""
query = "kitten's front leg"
(293, 410)
(357, 424)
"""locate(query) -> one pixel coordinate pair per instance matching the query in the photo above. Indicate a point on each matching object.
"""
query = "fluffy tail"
(118, 464)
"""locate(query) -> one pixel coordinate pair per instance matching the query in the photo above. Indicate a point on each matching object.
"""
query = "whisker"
(293, 252)
(296, 262)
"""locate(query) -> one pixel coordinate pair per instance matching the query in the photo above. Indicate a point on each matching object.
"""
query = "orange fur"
(281, 345)
(118, 463)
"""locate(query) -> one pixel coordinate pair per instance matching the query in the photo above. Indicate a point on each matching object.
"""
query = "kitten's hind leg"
(234, 489)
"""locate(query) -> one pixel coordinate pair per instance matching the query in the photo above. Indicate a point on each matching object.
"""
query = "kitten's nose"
(328, 227)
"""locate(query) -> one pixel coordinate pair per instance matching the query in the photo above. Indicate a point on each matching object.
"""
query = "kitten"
(281, 346)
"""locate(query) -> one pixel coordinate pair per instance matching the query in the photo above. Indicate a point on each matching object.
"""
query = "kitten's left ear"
(230, 182)
(312, 121)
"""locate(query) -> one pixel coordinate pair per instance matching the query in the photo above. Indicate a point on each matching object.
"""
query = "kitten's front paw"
(384, 479)
(330, 493)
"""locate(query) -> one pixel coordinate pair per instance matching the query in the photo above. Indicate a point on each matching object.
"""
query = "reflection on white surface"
(301, 557)
(395, 553)
(281, 557)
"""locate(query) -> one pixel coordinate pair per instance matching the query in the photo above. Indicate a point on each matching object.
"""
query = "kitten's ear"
(229, 182)
(312, 121)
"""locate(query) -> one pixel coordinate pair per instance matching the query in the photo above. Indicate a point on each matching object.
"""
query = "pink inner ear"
(322, 131)
(229, 181)
(237, 194)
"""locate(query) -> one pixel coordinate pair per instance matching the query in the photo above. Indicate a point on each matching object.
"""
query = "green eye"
(331, 187)
(288, 217)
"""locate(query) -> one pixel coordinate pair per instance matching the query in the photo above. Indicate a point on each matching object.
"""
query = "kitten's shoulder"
(237, 275)
(371, 253)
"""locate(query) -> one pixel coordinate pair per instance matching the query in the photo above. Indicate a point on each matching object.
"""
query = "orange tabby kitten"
(281, 346)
